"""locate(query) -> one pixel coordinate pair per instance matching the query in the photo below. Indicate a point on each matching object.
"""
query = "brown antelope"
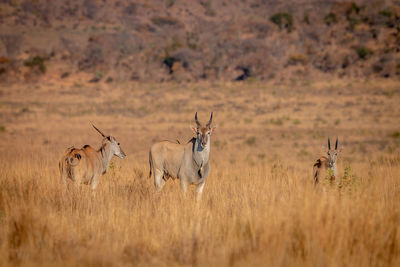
(189, 162)
(86, 165)
(326, 166)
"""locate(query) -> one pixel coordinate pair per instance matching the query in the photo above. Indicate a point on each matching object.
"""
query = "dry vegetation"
(259, 205)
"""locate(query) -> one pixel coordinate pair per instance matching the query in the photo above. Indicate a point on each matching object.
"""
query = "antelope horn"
(336, 143)
(329, 144)
(197, 122)
(209, 122)
(98, 130)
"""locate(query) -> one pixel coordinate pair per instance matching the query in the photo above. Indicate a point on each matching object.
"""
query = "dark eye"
(118, 143)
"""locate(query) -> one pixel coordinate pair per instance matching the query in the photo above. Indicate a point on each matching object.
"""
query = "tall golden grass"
(259, 206)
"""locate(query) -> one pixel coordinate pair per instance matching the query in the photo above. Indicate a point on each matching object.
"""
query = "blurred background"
(173, 40)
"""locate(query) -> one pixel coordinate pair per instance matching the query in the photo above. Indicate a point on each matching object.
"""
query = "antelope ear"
(213, 129)
(194, 129)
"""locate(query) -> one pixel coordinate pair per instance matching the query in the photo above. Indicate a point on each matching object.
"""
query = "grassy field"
(259, 205)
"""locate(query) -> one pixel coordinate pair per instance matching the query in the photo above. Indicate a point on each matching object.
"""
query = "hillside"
(105, 41)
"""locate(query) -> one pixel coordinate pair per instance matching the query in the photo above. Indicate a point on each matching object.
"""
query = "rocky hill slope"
(191, 40)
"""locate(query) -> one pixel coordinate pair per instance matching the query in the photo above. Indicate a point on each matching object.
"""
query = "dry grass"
(259, 206)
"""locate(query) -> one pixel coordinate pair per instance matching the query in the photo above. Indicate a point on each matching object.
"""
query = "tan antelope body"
(187, 162)
(326, 167)
(86, 165)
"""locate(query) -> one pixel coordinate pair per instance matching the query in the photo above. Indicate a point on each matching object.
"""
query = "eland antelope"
(325, 167)
(86, 165)
(188, 162)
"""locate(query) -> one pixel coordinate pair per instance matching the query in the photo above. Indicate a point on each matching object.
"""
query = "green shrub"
(98, 74)
(330, 19)
(356, 8)
(385, 13)
(396, 134)
(166, 21)
(348, 180)
(298, 59)
(353, 22)
(296, 122)
(247, 120)
(390, 21)
(36, 61)
(283, 21)
(251, 141)
(2, 128)
(303, 153)
(364, 52)
(278, 122)
(306, 19)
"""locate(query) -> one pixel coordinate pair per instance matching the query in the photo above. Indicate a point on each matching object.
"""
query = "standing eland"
(188, 162)
(326, 167)
(86, 165)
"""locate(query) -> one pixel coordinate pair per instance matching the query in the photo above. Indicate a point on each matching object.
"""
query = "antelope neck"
(200, 154)
(106, 155)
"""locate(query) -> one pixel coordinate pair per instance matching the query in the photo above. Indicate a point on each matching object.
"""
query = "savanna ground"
(259, 206)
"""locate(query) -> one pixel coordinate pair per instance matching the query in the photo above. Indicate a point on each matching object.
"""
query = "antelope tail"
(316, 167)
(70, 159)
(151, 164)
(316, 175)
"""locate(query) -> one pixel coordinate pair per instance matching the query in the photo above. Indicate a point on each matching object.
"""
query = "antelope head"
(114, 144)
(332, 153)
(203, 133)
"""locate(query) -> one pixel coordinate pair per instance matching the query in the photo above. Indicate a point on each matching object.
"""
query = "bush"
(364, 52)
(251, 141)
(385, 13)
(98, 74)
(37, 61)
(330, 19)
(306, 19)
(169, 62)
(283, 20)
(296, 122)
(356, 8)
(348, 181)
(298, 59)
(278, 122)
(352, 23)
(166, 21)
(396, 134)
